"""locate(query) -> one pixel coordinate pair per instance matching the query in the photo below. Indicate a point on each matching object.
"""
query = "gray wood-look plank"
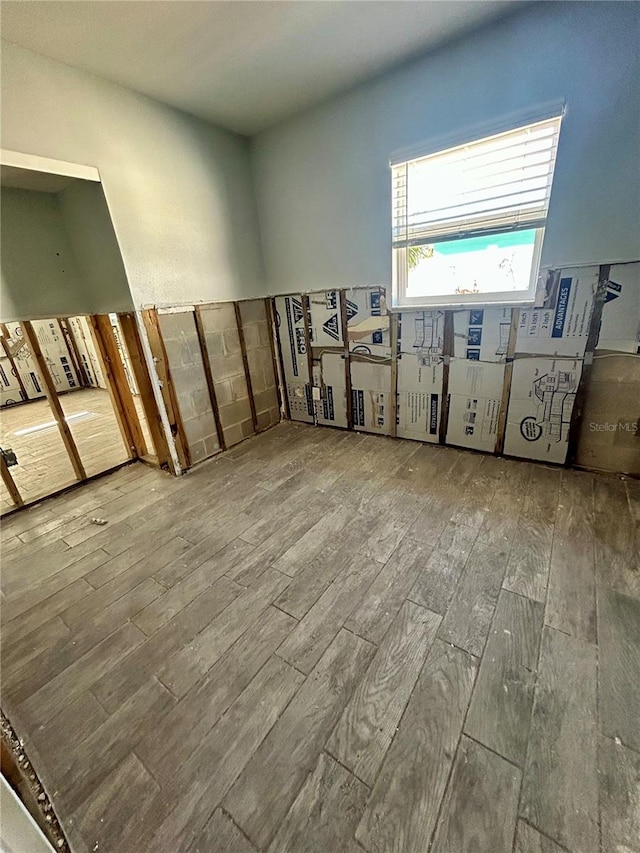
(619, 666)
(528, 567)
(403, 808)
(288, 592)
(306, 644)
(369, 722)
(560, 788)
(469, 615)
(380, 604)
(328, 789)
(266, 789)
(500, 708)
(571, 599)
(615, 534)
(619, 784)
(529, 840)
(222, 835)
(480, 806)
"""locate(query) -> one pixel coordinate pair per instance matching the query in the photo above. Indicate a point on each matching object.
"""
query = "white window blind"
(500, 183)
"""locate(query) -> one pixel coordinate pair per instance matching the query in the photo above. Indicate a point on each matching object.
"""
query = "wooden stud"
(9, 482)
(51, 395)
(447, 350)
(587, 364)
(204, 349)
(115, 375)
(506, 387)
(152, 326)
(131, 337)
(347, 358)
(245, 361)
(274, 358)
(393, 413)
(72, 346)
(306, 311)
(284, 397)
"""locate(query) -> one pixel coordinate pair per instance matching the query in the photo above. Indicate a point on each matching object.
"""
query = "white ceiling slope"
(241, 65)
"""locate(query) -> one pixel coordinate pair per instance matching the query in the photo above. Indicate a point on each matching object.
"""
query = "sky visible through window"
(486, 264)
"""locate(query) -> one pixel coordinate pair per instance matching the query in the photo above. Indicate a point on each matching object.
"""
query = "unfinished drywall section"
(179, 190)
(85, 216)
(323, 182)
(40, 274)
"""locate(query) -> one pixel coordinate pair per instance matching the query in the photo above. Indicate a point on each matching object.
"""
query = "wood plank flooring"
(325, 642)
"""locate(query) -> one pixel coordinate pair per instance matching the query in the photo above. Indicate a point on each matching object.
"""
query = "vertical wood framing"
(245, 362)
(286, 411)
(447, 350)
(132, 342)
(117, 384)
(202, 340)
(268, 307)
(72, 345)
(587, 364)
(9, 482)
(508, 375)
(51, 395)
(159, 353)
(393, 332)
(347, 357)
(306, 311)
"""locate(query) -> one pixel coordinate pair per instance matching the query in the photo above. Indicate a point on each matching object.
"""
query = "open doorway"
(75, 394)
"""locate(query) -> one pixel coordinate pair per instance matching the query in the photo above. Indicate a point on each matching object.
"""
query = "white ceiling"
(242, 65)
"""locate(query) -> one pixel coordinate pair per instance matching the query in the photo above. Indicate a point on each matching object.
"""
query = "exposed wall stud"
(268, 307)
(447, 350)
(587, 364)
(72, 344)
(306, 312)
(275, 330)
(138, 363)
(393, 413)
(347, 357)
(117, 384)
(9, 482)
(51, 395)
(159, 353)
(202, 340)
(506, 387)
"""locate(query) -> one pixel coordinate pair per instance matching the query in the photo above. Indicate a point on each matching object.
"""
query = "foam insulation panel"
(257, 340)
(87, 351)
(482, 334)
(368, 322)
(420, 374)
(561, 326)
(475, 397)
(10, 391)
(325, 319)
(371, 396)
(187, 372)
(543, 393)
(227, 369)
(295, 365)
(55, 352)
(620, 327)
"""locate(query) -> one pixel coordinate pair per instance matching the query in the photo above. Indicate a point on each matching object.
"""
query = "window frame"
(400, 300)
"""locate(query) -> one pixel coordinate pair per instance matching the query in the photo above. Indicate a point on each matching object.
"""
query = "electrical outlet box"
(316, 392)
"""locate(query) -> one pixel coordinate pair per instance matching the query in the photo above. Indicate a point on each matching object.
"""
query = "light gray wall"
(322, 179)
(86, 219)
(40, 275)
(179, 191)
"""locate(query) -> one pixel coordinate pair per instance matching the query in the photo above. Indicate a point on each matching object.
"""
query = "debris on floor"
(99, 521)
(26, 784)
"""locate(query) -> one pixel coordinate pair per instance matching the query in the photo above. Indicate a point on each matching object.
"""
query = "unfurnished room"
(320, 426)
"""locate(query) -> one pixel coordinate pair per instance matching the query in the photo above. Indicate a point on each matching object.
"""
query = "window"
(468, 221)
